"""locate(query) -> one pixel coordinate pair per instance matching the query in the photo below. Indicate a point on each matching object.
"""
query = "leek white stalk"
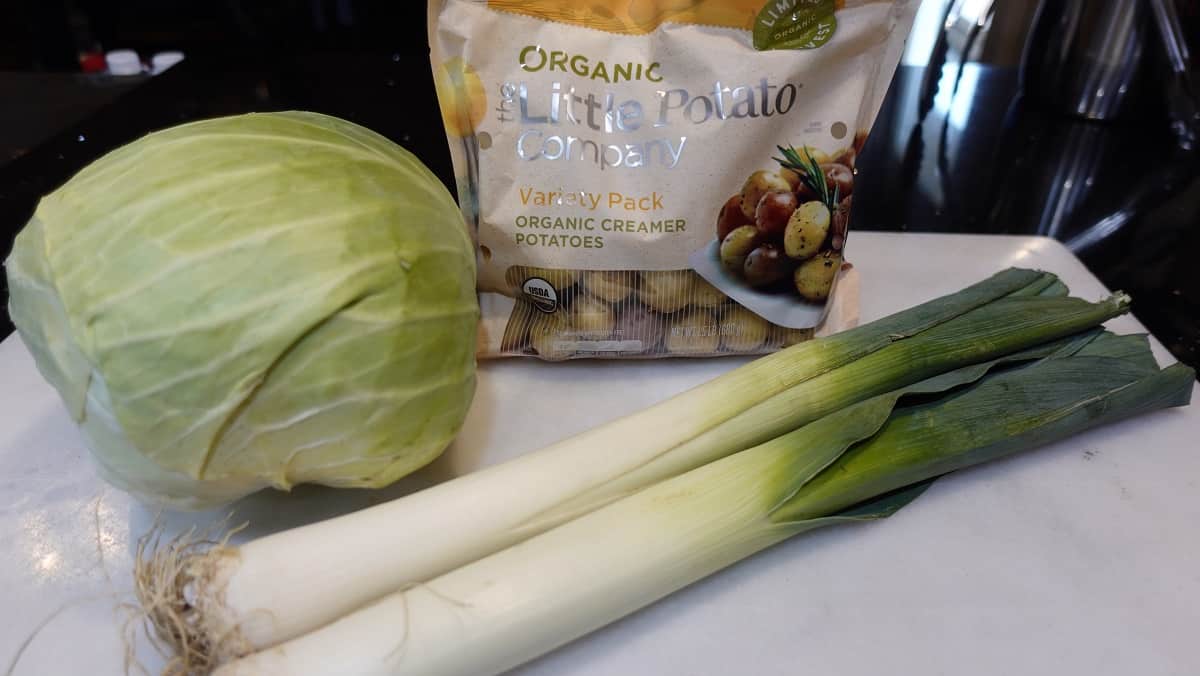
(228, 601)
(512, 606)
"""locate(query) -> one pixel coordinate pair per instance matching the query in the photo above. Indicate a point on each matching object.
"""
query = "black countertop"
(963, 152)
(986, 159)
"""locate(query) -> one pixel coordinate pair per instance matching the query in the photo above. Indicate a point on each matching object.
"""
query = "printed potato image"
(839, 224)
(760, 183)
(737, 245)
(461, 95)
(666, 291)
(773, 211)
(592, 319)
(766, 265)
(846, 156)
(742, 330)
(694, 332)
(731, 217)
(841, 176)
(611, 286)
(801, 214)
(806, 230)
(833, 175)
(860, 140)
(814, 277)
(791, 176)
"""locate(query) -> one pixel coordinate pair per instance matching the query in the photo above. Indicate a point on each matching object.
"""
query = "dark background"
(962, 144)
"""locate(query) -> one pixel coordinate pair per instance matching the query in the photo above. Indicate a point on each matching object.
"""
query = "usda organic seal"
(541, 293)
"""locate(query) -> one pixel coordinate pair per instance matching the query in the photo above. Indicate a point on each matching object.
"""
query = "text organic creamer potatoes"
(659, 178)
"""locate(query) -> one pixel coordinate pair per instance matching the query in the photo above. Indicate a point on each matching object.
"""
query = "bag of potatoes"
(651, 178)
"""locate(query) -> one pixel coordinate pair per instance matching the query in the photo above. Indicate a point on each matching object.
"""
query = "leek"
(862, 462)
(215, 604)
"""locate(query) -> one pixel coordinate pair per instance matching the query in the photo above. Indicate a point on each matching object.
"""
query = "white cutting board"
(1079, 558)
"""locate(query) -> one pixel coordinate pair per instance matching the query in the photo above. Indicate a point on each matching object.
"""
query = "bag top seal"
(640, 17)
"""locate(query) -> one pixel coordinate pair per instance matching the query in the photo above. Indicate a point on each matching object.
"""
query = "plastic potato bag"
(660, 178)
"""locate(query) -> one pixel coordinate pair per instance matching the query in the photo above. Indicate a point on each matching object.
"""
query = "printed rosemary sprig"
(810, 173)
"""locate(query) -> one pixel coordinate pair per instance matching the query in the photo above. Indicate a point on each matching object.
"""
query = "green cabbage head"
(252, 301)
